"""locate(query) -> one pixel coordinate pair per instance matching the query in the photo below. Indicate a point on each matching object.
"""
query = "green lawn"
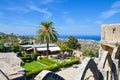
(33, 65)
(39, 64)
(46, 61)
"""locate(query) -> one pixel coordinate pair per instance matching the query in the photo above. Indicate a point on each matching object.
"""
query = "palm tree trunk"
(47, 50)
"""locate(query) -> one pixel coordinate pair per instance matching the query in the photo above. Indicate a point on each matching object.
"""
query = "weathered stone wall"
(110, 33)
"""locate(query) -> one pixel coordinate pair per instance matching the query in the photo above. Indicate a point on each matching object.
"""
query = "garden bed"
(35, 67)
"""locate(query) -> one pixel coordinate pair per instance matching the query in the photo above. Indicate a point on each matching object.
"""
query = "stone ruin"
(48, 75)
(106, 66)
(10, 67)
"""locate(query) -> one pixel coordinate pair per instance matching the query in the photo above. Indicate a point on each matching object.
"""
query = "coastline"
(81, 38)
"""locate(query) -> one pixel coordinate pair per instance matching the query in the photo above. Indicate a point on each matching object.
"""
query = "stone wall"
(110, 33)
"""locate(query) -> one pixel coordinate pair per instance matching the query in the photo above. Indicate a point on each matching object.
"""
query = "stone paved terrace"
(3, 76)
(71, 73)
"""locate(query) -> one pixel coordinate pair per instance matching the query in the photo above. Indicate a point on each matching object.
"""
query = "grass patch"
(46, 61)
(33, 65)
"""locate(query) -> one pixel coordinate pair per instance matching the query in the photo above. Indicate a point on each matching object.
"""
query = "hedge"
(68, 63)
(34, 72)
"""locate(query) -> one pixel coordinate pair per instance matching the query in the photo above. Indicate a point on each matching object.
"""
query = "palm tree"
(47, 34)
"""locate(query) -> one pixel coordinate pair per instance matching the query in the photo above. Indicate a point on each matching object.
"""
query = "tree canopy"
(73, 43)
(16, 48)
(47, 33)
(64, 48)
(1, 47)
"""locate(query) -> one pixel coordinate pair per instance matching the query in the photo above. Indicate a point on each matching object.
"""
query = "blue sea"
(96, 38)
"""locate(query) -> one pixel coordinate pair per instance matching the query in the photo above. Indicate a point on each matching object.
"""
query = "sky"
(70, 17)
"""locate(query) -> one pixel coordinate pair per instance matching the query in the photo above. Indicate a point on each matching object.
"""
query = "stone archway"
(89, 64)
(116, 53)
(104, 60)
(48, 75)
(107, 66)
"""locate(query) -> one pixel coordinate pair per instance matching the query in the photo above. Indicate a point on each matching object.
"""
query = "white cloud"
(24, 23)
(31, 7)
(110, 13)
(44, 11)
(51, 1)
(115, 8)
(18, 9)
(116, 4)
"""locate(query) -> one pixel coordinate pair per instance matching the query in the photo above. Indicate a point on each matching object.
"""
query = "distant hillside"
(10, 38)
(2, 33)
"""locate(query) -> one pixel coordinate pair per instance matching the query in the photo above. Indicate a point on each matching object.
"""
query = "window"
(114, 29)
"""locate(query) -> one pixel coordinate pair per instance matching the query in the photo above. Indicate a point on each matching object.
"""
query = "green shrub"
(53, 68)
(1, 47)
(29, 57)
(33, 73)
(26, 59)
(90, 53)
(26, 55)
(16, 48)
(68, 63)
(34, 56)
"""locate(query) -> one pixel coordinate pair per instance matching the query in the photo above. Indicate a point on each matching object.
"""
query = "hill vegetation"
(88, 47)
(11, 38)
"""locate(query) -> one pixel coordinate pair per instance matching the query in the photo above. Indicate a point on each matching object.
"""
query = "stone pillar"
(115, 69)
